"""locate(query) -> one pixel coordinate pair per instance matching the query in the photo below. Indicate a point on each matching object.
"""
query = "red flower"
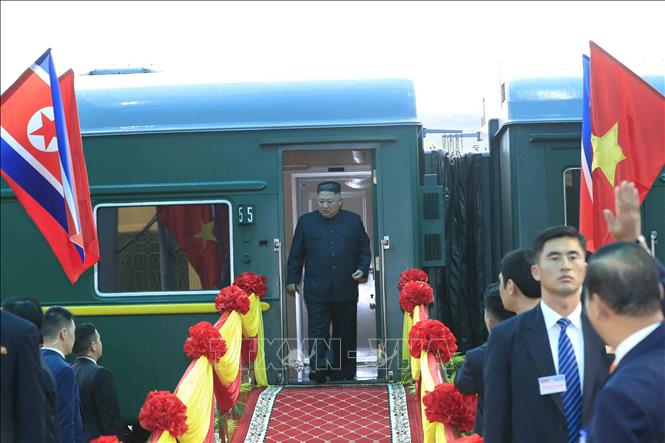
(252, 284)
(413, 274)
(447, 405)
(105, 439)
(204, 339)
(473, 438)
(163, 411)
(415, 293)
(232, 298)
(432, 336)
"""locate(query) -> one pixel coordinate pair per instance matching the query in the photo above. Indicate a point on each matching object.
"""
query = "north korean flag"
(42, 161)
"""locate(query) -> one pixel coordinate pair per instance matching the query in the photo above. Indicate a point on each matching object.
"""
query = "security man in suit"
(469, 378)
(22, 394)
(59, 329)
(333, 246)
(544, 367)
(30, 309)
(623, 302)
(100, 408)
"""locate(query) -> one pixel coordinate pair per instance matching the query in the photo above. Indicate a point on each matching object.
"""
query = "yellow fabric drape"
(433, 432)
(195, 391)
(252, 326)
(231, 331)
(406, 328)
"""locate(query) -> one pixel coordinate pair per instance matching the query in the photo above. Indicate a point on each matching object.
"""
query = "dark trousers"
(336, 353)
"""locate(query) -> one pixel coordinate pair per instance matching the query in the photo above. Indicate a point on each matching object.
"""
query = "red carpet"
(330, 414)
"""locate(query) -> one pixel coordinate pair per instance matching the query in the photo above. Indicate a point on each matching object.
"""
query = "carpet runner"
(329, 414)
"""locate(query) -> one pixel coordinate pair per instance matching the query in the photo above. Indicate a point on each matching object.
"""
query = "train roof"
(154, 102)
(550, 99)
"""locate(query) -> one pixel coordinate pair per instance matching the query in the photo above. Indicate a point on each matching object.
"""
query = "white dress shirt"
(631, 341)
(574, 332)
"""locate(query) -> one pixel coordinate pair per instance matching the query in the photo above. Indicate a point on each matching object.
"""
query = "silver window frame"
(563, 182)
(164, 203)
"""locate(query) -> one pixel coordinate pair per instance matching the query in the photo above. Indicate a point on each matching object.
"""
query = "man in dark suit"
(519, 291)
(623, 302)
(30, 309)
(469, 378)
(59, 329)
(22, 394)
(334, 248)
(544, 367)
(100, 408)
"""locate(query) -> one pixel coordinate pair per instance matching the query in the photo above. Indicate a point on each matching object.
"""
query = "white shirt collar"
(632, 340)
(89, 358)
(54, 350)
(551, 316)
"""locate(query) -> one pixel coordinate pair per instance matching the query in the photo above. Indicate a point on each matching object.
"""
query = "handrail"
(385, 244)
(277, 247)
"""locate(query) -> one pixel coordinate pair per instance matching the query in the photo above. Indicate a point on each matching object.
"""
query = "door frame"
(377, 227)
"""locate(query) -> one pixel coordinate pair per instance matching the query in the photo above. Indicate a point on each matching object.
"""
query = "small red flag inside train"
(623, 138)
(42, 161)
(193, 228)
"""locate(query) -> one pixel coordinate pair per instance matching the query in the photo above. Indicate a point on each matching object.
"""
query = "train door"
(303, 170)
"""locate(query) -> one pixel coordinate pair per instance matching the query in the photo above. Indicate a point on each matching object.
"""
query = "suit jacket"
(71, 426)
(518, 353)
(100, 408)
(331, 250)
(631, 405)
(22, 389)
(52, 420)
(469, 380)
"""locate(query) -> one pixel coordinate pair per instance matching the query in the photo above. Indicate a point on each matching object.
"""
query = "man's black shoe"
(318, 376)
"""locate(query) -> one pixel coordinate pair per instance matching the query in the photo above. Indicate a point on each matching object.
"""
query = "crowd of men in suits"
(584, 358)
(44, 398)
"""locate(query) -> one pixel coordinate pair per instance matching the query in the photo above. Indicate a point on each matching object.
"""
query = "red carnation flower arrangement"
(105, 439)
(232, 298)
(252, 284)
(432, 336)
(204, 339)
(413, 274)
(163, 411)
(445, 404)
(415, 293)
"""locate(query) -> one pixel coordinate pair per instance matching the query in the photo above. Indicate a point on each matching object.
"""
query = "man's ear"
(61, 335)
(604, 311)
(535, 272)
(510, 286)
(661, 290)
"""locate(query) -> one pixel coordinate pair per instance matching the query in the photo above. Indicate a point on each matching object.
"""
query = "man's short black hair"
(516, 266)
(493, 304)
(85, 335)
(625, 277)
(56, 318)
(556, 232)
(27, 308)
(329, 187)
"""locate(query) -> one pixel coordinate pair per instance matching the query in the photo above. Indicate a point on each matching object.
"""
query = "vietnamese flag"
(192, 227)
(627, 139)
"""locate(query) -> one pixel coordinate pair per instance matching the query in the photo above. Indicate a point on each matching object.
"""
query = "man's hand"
(357, 275)
(291, 289)
(627, 224)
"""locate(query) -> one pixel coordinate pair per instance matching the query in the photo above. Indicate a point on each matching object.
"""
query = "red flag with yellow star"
(192, 227)
(627, 136)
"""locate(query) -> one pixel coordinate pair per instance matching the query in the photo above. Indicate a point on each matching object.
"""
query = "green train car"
(241, 162)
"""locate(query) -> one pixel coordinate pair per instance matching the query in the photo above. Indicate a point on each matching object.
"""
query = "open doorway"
(303, 170)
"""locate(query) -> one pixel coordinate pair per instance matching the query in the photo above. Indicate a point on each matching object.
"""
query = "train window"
(571, 196)
(152, 248)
